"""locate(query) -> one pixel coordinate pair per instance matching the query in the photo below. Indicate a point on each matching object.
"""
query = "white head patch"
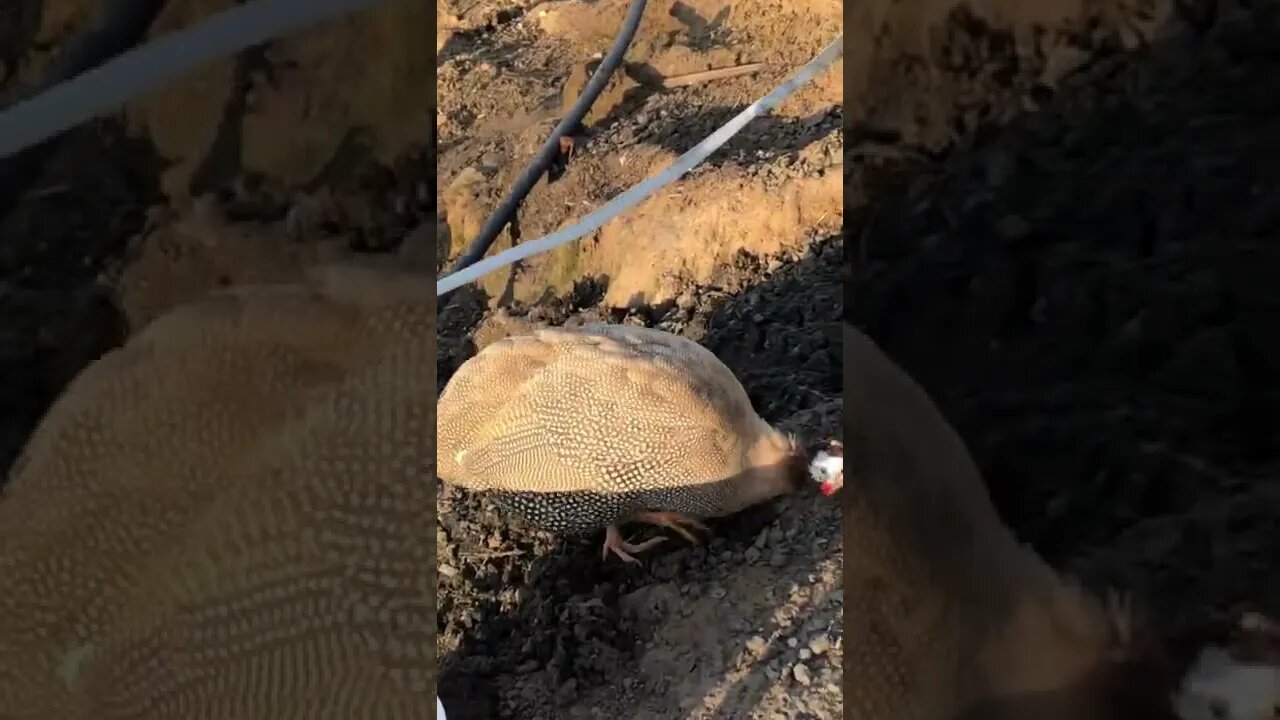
(1220, 688)
(824, 466)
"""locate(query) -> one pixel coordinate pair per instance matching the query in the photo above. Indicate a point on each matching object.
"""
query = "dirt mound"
(1090, 295)
(297, 110)
(502, 90)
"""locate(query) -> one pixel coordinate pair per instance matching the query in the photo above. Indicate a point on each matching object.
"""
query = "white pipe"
(160, 61)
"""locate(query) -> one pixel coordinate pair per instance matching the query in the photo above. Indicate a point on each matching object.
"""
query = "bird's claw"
(675, 522)
(614, 543)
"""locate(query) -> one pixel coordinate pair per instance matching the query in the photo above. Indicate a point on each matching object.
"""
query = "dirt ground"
(502, 87)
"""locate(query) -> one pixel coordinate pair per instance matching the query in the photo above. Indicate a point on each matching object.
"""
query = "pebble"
(757, 645)
(801, 674)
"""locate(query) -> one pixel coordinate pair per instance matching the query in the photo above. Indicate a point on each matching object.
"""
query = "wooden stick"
(708, 75)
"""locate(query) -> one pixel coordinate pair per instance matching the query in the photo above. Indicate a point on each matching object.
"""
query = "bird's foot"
(675, 521)
(613, 543)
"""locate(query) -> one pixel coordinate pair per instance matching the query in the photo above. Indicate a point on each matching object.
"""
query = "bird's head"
(827, 467)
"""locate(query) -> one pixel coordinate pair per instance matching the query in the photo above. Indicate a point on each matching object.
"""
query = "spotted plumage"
(582, 429)
(230, 516)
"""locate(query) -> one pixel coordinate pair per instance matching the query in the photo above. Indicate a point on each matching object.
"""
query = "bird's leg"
(613, 543)
(674, 520)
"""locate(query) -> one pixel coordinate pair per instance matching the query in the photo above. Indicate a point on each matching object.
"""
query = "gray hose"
(551, 148)
(148, 68)
(120, 25)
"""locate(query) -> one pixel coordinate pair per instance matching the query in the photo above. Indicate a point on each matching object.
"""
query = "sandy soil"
(501, 90)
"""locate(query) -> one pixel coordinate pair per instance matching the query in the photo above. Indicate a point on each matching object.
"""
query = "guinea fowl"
(230, 516)
(588, 428)
(947, 615)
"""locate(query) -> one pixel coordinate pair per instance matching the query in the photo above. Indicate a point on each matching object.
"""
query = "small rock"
(446, 570)
(792, 643)
(491, 161)
(757, 645)
(801, 674)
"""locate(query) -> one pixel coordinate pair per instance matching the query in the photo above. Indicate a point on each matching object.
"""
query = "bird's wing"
(236, 493)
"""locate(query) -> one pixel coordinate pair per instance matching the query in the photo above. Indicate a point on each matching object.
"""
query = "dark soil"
(70, 227)
(1090, 293)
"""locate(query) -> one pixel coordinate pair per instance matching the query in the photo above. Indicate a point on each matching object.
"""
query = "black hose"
(119, 26)
(551, 149)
